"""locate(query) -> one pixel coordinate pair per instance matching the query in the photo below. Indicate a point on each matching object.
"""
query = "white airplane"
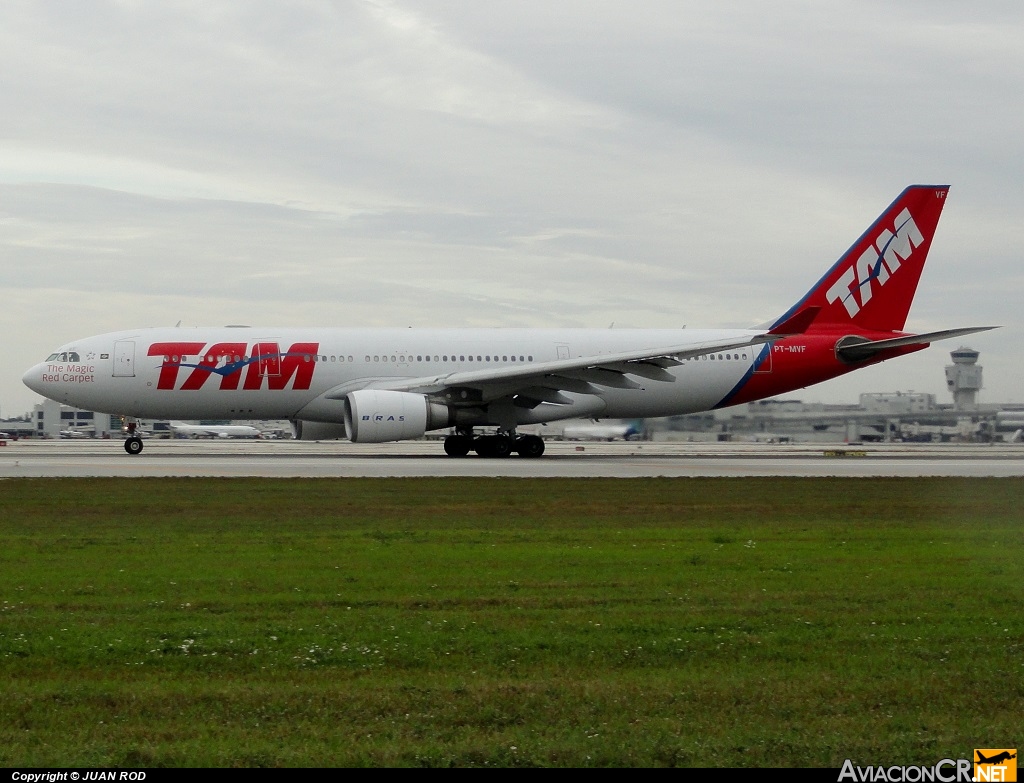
(377, 385)
(215, 430)
(595, 430)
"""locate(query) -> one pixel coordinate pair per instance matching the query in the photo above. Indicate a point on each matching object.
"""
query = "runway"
(94, 458)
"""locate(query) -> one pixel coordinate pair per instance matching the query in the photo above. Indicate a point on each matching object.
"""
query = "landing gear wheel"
(457, 445)
(530, 446)
(133, 445)
(493, 445)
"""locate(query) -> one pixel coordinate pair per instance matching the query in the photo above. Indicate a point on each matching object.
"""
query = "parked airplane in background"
(180, 428)
(601, 430)
(376, 385)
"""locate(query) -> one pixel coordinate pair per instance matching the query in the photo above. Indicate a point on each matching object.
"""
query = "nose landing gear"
(133, 443)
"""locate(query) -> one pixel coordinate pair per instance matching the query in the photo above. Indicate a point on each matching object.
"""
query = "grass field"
(499, 622)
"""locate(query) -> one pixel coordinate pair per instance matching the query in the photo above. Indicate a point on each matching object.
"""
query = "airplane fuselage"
(259, 373)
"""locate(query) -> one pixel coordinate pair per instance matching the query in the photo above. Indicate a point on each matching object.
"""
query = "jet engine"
(378, 415)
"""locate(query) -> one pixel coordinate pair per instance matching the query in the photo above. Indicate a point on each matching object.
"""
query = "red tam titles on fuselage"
(264, 367)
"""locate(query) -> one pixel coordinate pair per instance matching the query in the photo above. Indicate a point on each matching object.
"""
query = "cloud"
(521, 164)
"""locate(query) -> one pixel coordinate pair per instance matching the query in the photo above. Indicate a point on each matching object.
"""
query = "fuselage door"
(124, 359)
(267, 354)
(563, 351)
(763, 360)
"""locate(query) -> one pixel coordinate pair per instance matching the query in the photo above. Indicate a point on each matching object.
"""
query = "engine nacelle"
(318, 430)
(379, 415)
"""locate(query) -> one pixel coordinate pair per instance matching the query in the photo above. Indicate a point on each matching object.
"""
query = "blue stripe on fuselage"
(761, 357)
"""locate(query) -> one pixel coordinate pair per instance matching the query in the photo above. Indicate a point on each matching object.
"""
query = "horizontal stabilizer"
(857, 349)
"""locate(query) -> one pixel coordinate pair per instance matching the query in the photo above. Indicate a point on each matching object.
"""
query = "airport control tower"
(963, 378)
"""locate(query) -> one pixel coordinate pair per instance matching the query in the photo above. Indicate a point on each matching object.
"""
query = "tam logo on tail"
(872, 284)
(879, 262)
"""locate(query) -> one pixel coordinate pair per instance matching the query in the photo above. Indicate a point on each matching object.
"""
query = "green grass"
(700, 622)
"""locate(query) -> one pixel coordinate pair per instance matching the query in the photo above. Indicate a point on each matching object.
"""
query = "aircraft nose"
(34, 379)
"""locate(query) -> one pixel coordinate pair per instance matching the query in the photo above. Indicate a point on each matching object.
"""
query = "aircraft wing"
(544, 381)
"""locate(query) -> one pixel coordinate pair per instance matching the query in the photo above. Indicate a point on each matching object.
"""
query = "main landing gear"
(133, 443)
(501, 444)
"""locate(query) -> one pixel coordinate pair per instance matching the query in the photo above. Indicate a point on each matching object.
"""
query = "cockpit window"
(65, 356)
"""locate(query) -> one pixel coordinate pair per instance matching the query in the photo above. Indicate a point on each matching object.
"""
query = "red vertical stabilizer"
(872, 285)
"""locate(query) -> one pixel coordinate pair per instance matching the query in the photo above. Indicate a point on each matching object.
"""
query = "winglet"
(796, 324)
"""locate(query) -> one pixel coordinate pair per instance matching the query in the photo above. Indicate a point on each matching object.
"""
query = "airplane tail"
(872, 284)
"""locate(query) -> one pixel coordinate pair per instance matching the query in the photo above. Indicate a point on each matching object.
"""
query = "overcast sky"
(456, 163)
